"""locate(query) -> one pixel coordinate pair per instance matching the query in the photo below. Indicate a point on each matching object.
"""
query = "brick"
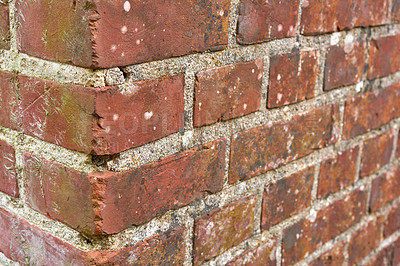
(264, 254)
(398, 146)
(223, 228)
(338, 15)
(9, 102)
(261, 21)
(371, 110)
(381, 145)
(108, 202)
(4, 27)
(287, 197)
(392, 222)
(365, 240)
(396, 10)
(334, 256)
(8, 175)
(307, 235)
(385, 189)
(258, 150)
(104, 34)
(384, 56)
(337, 172)
(227, 92)
(387, 257)
(344, 64)
(292, 78)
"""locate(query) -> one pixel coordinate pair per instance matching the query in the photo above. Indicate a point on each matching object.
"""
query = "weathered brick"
(398, 146)
(223, 228)
(264, 254)
(337, 172)
(4, 27)
(337, 15)
(292, 78)
(261, 21)
(308, 234)
(365, 240)
(10, 114)
(371, 110)
(384, 189)
(381, 145)
(344, 64)
(396, 10)
(384, 56)
(334, 256)
(264, 148)
(387, 257)
(287, 197)
(103, 34)
(227, 92)
(106, 203)
(8, 175)
(392, 222)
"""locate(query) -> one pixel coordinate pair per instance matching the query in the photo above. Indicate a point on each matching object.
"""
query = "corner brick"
(371, 110)
(385, 189)
(384, 56)
(292, 78)
(305, 236)
(106, 203)
(79, 32)
(286, 197)
(264, 254)
(381, 145)
(338, 172)
(392, 222)
(8, 175)
(223, 228)
(334, 256)
(344, 65)
(258, 150)
(227, 92)
(4, 27)
(261, 21)
(365, 240)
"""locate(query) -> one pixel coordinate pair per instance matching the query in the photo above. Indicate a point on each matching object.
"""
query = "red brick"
(292, 78)
(365, 240)
(334, 256)
(227, 92)
(392, 222)
(223, 228)
(106, 203)
(387, 257)
(371, 110)
(8, 175)
(261, 21)
(382, 146)
(287, 197)
(396, 10)
(104, 34)
(258, 150)
(264, 254)
(344, 65)
(4, 27)
(384, 56)
(9, 103)
(305, 236)
(337, 15)
(398, 146)
(337, 172)
(385, 189)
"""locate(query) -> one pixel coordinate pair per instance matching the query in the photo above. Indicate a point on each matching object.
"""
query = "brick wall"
(237, 132)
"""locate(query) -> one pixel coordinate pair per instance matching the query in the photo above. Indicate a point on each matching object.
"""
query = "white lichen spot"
(166, 98)
(221, 12)
(127, 6)
(137, 41)
(244, 106)
(280, 27)
(279, 96)
(122, 54)
(335, 38)
(200, 106)
(113, 48)
(217, 92)
(252, 71)
(154, 128)
(148, 115)
(279, 77)
(124, 29)
(107, 129)
(359, 86)
(115, 117)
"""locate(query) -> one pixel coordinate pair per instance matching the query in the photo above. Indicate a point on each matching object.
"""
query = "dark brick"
(264, 254)
(258, 150)
(227, 92)
(344, 64)
(8, 175)
(292, 78)
(261, 21)
(384, 56)
(338, 172)
(305, 236)
(223, 228)
(371, 110)
(381, 145)
(286, 197)
(392, 222)
(104, 34)
(385, 189)
(4, 27)
(396, 10)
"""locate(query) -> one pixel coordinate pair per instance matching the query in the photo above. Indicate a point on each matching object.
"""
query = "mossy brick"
(105, 34)
(8, 174)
